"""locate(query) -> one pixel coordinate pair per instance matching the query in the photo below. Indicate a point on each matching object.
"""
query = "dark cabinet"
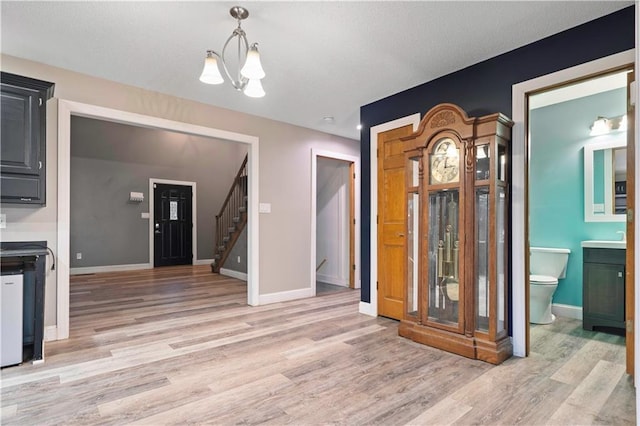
(28, 258)
(603, 288)
(23, 144)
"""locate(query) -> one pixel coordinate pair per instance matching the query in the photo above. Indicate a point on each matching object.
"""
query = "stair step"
(226, 239)
(242, 209)
(217, 257)
(222, 248)
(232, 229)
(236, 219)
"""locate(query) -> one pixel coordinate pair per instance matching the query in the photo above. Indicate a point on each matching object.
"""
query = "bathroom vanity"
(603, 291)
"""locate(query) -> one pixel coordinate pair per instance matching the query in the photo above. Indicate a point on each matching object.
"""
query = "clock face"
(445, 162)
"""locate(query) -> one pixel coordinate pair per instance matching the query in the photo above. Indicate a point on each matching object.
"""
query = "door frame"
(66, 109)
(194, 229)
(520, 162)
(371, 307)
(355, 161)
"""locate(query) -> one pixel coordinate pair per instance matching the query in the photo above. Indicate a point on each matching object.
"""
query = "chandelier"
(249, 70)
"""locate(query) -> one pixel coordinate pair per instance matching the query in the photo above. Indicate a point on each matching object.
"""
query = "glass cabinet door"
(413, 264)
(482, 258)
(444, 257)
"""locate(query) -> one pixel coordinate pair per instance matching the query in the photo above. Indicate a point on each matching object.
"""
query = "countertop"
(605, 244)
(23, 252)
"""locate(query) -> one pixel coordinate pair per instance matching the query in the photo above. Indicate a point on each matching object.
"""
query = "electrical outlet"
(79, 256)
(238, 259)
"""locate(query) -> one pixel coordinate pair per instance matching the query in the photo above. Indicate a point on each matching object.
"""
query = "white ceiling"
(321, 58)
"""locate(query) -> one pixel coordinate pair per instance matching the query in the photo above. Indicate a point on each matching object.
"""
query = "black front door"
(173, 225)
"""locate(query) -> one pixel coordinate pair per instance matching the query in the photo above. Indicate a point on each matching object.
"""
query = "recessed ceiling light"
(328, 119)
(359, 127)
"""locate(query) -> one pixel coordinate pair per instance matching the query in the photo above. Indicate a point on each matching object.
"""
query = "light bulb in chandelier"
(254, 89)
(210, 72)
(252, 68)
(247, 74)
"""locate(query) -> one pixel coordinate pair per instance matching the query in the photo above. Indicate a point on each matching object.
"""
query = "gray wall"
(239, 250)
(110, 160)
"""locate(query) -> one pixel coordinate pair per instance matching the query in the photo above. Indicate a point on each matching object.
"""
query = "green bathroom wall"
(558, 134)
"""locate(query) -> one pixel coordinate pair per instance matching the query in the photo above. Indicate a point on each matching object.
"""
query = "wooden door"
(173, 225)
(630, 266)
(392, 212)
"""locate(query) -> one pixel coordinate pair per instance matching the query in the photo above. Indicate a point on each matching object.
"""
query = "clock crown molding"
(441, 118)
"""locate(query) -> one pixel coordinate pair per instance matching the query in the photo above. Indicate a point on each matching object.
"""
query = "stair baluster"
(232, 217)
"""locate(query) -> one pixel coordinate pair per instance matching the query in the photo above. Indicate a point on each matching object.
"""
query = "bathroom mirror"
(605, 181)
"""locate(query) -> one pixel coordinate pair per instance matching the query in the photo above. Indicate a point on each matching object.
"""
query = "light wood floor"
(179, 345)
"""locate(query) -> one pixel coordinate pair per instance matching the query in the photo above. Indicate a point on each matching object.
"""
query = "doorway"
(335, 259)
(67, 109)
(577, 197)
(335, 205)
(172, 223)
(520, 248)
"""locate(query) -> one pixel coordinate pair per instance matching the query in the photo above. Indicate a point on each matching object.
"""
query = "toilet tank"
(548, 261)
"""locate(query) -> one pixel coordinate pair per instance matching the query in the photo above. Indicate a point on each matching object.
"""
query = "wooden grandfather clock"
(457, 242)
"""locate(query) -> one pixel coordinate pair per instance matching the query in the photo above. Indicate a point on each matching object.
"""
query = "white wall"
(332, 242)
(284, 178)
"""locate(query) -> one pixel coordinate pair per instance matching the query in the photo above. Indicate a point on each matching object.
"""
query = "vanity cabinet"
(603, 288)
(23, 147)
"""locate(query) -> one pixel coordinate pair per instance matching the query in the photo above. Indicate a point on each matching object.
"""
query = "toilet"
(546, 266)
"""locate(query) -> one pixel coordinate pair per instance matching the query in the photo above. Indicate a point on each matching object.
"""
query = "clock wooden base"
(468, 346)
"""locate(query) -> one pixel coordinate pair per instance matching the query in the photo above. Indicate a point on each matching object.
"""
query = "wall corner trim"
(109, 268)
(367, 309)
(50, 333)
(284, 296)
(567, 311)
(233, 274)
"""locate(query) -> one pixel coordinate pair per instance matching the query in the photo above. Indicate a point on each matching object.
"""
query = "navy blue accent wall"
(485, 88)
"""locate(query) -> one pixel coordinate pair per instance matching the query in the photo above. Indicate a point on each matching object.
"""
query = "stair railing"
(233, 207)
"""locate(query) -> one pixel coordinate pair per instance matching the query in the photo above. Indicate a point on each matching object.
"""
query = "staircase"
(232, 218)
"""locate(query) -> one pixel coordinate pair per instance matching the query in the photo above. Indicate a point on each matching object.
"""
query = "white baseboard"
(50, 333)
(109, 268)
(233, 274)
(283, 296)
(203, 262)
(330, 279)
(367, 309)
(567, 311)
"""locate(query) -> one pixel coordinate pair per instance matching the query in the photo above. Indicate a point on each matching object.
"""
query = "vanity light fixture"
(249, 72)
(600, 127)
(623, 124)
(603, 125)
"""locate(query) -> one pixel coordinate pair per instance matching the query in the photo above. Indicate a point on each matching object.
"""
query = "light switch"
(144, 215)
(264, 208)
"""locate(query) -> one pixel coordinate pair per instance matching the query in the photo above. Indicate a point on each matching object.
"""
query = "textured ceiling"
(321, 58)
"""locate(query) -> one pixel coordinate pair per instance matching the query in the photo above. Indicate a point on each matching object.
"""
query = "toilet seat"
(542, 280)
